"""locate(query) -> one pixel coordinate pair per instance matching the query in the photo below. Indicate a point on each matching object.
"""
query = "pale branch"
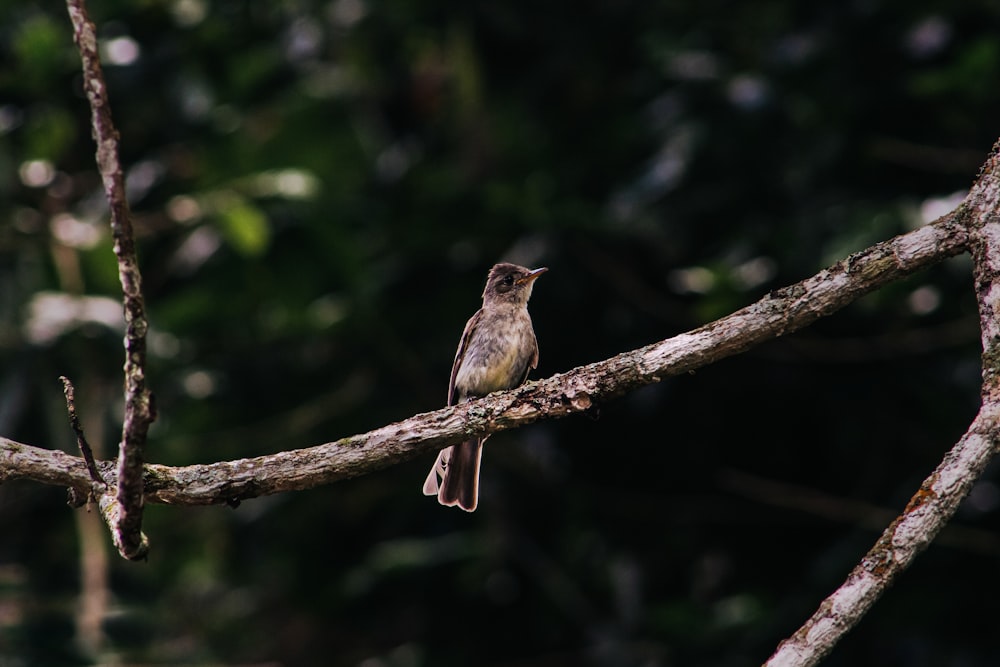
(982, 209)
(19, 461)
(851, 511)
(926, 514)
(939, 496)
(123, 489)
(127, 526)
(578, 390)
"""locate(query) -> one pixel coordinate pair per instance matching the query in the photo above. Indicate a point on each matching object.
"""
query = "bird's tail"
(458, 470)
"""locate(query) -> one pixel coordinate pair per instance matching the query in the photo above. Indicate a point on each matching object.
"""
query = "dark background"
(319, 190)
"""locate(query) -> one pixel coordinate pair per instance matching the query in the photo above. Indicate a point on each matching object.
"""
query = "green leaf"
(40, 46)
(49, 133)
(244, 225)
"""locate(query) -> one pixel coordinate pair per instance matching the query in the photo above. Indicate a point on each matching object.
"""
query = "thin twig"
(81, 440)
(138, 409)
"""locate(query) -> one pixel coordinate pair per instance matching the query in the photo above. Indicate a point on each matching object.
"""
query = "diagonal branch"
(935, 502)
(780, 312)
(125, 512)
(910, 533)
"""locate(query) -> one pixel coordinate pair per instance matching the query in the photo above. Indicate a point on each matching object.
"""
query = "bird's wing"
(470, 326)
(534, 358)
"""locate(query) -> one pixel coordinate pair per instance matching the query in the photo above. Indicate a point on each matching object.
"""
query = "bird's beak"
(531, 275)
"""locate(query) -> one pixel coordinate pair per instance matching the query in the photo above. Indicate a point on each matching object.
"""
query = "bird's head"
(510, 283)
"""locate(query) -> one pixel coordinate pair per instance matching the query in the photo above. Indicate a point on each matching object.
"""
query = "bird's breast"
(497, 355)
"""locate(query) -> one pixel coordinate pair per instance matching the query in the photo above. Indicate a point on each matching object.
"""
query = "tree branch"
(125, 486)
(974, 226)
(935, 502)
(126, 527)
(926, 514)
(780, 312)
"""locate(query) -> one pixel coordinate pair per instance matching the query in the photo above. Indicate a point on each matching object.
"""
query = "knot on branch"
(578, 399)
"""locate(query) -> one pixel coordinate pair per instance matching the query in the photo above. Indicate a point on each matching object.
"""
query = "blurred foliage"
(319, 189)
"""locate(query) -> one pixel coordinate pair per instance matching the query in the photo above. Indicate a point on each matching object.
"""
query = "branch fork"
(124, 512)
(937, 499)
(974, 226)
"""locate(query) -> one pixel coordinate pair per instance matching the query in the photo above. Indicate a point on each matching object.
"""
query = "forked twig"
(127, 517)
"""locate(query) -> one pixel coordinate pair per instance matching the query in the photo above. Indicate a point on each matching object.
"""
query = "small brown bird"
(497, 350)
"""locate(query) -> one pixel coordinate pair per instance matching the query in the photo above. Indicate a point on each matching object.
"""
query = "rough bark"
(125, 509)
(933, 505)
(780, 312)
(123, 486)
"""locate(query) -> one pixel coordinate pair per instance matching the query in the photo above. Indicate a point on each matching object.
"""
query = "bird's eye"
(508, 280)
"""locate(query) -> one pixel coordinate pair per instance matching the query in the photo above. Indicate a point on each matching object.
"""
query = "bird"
(497, 351)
